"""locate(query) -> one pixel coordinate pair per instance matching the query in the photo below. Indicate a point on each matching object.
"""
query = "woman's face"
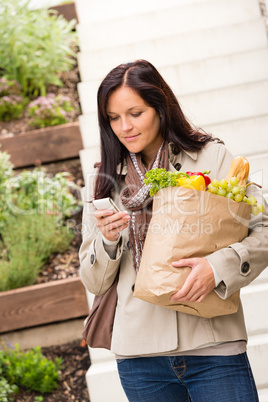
(135, 123)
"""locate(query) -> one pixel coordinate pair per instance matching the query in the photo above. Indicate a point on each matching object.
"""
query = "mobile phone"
(106, 203)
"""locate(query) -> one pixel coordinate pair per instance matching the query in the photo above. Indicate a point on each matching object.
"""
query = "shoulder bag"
(99, 325)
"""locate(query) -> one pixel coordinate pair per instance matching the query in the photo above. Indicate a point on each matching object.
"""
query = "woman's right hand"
(111, 224)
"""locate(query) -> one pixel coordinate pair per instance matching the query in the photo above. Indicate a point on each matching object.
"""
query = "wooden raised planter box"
(68, 11)
(44, 145)
(49, 302)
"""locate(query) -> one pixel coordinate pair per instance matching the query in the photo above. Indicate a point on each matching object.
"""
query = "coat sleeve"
(241, 262)
(97, 269)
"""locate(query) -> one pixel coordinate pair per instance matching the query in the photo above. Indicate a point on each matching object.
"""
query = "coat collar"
(173, 159)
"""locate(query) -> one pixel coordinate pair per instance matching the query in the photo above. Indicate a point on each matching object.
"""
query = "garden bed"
(68, 11)
(49, 302)
(28, 146)
(43, 145)
(72, 385)
(58, 284)
(65, 265)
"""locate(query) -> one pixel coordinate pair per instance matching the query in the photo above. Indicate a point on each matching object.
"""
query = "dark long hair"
(144, 78)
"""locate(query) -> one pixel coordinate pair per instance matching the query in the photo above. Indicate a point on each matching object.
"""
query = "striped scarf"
(136, 198)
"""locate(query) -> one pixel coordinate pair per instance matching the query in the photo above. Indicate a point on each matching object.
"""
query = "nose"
(126, 124)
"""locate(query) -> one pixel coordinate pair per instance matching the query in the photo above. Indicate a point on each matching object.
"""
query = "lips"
(131, 138)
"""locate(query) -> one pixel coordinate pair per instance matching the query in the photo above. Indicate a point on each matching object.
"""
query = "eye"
(136, 114)
(112, 118)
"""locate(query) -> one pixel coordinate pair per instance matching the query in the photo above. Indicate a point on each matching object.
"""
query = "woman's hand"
(111, 224)
(198, 284)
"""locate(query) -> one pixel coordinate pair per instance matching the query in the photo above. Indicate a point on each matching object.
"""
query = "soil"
(72, 385)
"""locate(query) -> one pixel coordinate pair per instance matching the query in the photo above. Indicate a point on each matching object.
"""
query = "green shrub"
(11, 107)
(33, 209)
(6, 167)
(27, 243)
(35, 192)
(9, 87)
(12, 103)
(30, 370)
(6, 390)
(32, 192)
(50, 110)
(6, 172)
(35, 46)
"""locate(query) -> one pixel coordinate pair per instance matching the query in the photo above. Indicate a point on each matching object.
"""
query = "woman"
(162, 354)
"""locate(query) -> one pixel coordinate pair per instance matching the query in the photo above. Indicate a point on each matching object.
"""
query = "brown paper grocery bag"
(188, 223)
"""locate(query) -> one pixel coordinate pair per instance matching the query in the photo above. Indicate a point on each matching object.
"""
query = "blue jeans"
(188, 378)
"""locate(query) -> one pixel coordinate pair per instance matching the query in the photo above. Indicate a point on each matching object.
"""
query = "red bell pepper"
(204, 173)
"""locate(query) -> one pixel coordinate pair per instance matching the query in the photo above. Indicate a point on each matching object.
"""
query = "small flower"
(49, 110)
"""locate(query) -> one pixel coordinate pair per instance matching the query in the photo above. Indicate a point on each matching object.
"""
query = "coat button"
(128, 245)
(177, 166)
(92, 259)
(133, 287)
(245, 267)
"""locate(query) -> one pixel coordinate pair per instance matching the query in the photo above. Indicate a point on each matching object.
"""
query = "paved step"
(145, 26)
(262, 278)
(214, 55)
(218, 72)
(98, 355)
(88, 157)
(258, 356)
(256, 317)
(259, 169)
(226, 104)
(243, 137)
(103, 383)
(102, 10)
(88, 95)
(89, 130)
(198, 76)
(192, 46)
(263, 395)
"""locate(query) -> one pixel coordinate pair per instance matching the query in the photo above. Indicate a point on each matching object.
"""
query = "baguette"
(239, 168)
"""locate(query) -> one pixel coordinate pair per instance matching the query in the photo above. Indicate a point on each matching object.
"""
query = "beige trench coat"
(141, 328)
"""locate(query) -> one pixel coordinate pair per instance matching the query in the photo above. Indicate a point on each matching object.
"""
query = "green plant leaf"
(35, 46)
